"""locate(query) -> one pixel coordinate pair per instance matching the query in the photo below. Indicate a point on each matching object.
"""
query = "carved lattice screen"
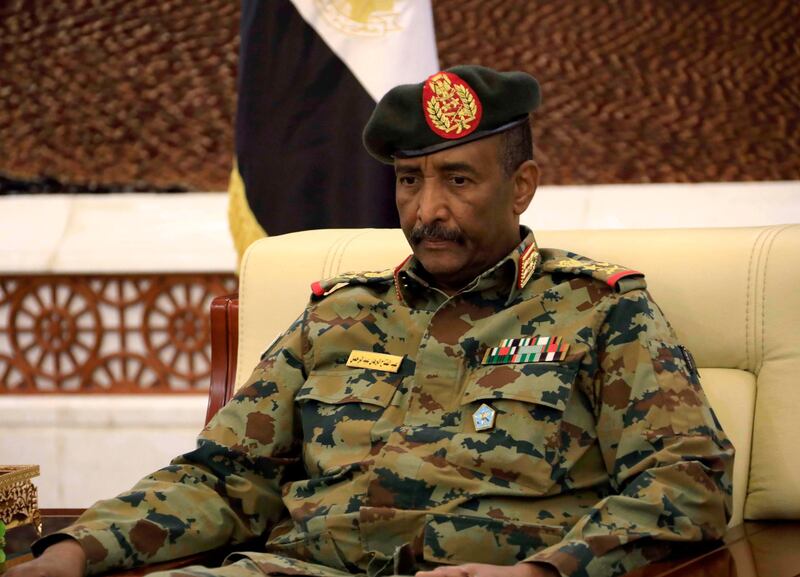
(107, 333)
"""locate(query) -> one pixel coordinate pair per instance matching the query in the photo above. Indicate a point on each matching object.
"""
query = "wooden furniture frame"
(224, 347)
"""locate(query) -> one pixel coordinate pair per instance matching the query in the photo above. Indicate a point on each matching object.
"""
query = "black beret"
(450, 108)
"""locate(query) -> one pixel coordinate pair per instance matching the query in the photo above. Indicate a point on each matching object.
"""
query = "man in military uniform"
(485, 408)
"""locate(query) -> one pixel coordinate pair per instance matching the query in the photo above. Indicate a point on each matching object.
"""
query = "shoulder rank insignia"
(325, 287)
(484, 418)
(527, 350)
(617, 277)
(527, 264)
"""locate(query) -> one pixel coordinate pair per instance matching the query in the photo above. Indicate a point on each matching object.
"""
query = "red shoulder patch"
(317, 289)
(613, 279)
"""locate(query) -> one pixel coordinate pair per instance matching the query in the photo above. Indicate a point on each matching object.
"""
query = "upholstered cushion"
(277, 272)
(732, 394)
(774, 322)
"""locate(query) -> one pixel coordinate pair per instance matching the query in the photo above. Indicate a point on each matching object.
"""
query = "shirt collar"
(505, 280)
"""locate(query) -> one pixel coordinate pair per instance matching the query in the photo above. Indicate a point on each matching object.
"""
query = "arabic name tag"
(375, 361)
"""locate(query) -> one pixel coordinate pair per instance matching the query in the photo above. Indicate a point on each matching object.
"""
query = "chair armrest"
(224, 345)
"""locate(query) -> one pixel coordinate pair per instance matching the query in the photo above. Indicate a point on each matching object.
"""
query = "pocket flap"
(351, 386)
(547, 384)
(461, 539)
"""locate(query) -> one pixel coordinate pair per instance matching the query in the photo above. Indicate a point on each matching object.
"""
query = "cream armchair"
(733, 296)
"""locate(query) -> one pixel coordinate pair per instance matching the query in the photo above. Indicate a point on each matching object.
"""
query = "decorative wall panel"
(119, 95)
(140, 95)
(107, 333)
(637, 91)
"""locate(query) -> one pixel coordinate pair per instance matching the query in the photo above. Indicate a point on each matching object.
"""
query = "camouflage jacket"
(594, 462)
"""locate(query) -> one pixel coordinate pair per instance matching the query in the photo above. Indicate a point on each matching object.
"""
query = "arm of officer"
(225, 491)
(62, 559)
(668, 459)
(485, 570)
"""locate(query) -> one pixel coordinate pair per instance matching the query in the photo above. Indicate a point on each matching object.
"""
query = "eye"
(458, 180)
(407, 180)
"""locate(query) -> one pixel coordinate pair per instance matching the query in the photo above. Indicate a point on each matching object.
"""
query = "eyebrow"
(458, 167)
(407, 170)
(462, 167)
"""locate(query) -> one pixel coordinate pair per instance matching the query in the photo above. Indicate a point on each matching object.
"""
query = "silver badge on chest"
(484, 418)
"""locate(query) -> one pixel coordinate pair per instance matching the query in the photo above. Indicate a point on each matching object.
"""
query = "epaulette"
(618, 277)
(323, 288)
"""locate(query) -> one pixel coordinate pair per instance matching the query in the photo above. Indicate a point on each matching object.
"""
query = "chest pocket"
(338, 411)
(527, 403)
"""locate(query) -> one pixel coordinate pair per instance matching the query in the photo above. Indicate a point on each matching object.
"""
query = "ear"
(525, 179)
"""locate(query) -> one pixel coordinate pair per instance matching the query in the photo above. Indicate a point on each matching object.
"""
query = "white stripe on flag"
(382, 48)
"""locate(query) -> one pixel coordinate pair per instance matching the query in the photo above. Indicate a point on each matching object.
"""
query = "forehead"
(480, 155)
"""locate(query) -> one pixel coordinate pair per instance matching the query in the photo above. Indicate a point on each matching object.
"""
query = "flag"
(310, 73)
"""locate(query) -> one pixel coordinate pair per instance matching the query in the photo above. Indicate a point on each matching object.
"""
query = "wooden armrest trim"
(224, 346)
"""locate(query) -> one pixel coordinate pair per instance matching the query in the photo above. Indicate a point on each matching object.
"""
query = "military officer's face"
(460, 211)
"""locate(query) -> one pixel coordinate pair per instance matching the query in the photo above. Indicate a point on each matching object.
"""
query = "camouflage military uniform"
(594, 463)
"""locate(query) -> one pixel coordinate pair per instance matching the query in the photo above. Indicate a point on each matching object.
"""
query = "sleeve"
(226, 491)
(668, 460)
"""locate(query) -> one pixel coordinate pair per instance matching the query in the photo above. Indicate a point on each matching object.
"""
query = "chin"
(438, 266)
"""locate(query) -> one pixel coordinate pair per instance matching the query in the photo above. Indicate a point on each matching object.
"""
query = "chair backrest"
(733, 296)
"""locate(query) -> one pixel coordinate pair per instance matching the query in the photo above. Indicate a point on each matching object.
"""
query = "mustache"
(435, 231)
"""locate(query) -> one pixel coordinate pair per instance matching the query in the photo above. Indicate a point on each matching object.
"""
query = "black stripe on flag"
(298, 129)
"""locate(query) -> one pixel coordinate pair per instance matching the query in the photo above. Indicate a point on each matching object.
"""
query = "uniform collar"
(505, 280)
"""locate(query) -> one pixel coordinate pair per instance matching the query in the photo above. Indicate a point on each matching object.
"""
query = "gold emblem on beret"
(452, 109)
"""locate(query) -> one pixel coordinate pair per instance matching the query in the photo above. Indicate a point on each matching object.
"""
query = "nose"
(432, 205)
